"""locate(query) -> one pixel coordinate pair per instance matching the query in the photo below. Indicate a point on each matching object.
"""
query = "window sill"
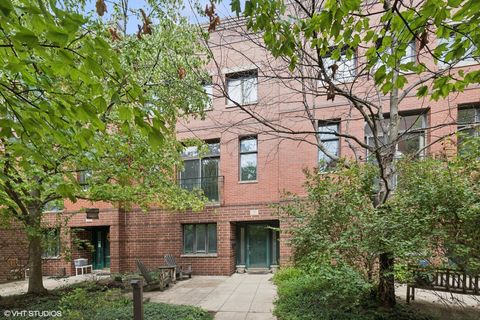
(213, 204)
(248, 181)
(230, 106)
(51, 258)
(53, 211)
(199, 255)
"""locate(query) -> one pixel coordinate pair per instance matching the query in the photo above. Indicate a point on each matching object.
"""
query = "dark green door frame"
(257, 246)
(101, 245)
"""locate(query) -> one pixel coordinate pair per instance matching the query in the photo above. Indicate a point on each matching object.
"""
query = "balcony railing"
(211, 186)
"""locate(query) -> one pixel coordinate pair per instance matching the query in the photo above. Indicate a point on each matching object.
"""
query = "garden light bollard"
(137, 286)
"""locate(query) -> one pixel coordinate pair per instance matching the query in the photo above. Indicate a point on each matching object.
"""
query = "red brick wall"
(13, 252)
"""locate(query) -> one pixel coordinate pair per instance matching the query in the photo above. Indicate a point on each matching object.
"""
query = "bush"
(285, 274)
(332, 293)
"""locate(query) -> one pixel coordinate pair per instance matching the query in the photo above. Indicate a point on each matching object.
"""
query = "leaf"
(6, 7)
(26, 36)
(59, 37)
(422, 91)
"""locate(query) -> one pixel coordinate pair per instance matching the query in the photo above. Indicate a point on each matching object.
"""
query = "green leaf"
(6, 7)
(422, 91)
(59, 37)
(26, 36)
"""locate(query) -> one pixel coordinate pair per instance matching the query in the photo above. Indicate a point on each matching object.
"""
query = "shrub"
(78, 304)
(331, 294)
(285, 274)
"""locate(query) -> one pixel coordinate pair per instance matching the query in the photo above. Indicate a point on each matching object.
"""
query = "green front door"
(101, 244)
(257, 246)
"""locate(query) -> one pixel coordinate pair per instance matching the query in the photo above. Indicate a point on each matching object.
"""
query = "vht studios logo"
(32, 313)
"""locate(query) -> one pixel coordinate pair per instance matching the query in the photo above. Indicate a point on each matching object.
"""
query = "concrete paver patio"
(241, 296)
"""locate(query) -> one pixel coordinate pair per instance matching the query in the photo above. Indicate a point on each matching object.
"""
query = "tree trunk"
(386, 286)
(35, 280)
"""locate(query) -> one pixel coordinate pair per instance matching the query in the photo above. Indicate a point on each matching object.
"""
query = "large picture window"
(200, 238)
(200, 170)
(248, 159)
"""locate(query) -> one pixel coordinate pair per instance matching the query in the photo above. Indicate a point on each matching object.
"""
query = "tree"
(76, 98)
(311, 44)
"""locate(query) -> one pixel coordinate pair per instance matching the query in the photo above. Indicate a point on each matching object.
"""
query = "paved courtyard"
(239, 297)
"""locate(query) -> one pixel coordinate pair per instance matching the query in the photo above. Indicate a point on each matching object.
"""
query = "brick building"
(245, 171)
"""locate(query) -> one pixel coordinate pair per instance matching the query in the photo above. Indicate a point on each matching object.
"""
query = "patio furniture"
(150, 284)
(83, 269)
(444, 280)
(179, 270)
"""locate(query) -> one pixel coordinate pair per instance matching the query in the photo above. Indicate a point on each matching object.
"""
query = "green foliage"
(336, 222)
(331, 293)
(113, 305)
(97, 302)
(75, 100)
(441, 201)
(384, 31)
(287, 273)
(434, 215)
(154, 311)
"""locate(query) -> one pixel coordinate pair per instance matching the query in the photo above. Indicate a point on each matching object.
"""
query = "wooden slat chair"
(150, 284)
(180, 271)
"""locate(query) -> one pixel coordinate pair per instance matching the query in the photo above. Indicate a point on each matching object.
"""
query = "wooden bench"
(444, 280)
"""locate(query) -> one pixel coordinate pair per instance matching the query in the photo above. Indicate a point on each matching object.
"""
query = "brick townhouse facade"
(244, 173)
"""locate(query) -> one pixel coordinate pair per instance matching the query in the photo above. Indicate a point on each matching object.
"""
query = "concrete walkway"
(20, 287)
(241, 296)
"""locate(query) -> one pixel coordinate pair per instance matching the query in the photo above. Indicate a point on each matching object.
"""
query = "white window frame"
(326, 137)
(244, 153)
(469, 60)
(208, 89)
(423, 137)
(347, 68)
(410, 55)
(476, 108)
(247, 83)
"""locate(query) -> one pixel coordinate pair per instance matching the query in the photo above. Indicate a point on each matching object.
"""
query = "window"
(329, 140)
(242, 87)
(468, 115)
(346, 67)
(411, 134)
(248, 159)
(84, 178)
(200, 238)
(467, 57)
(208, 88)
(200, 170)
(410, 56)
(53, 206)
(51, 243)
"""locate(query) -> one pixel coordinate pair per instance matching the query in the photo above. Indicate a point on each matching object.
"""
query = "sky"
(223, 10)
